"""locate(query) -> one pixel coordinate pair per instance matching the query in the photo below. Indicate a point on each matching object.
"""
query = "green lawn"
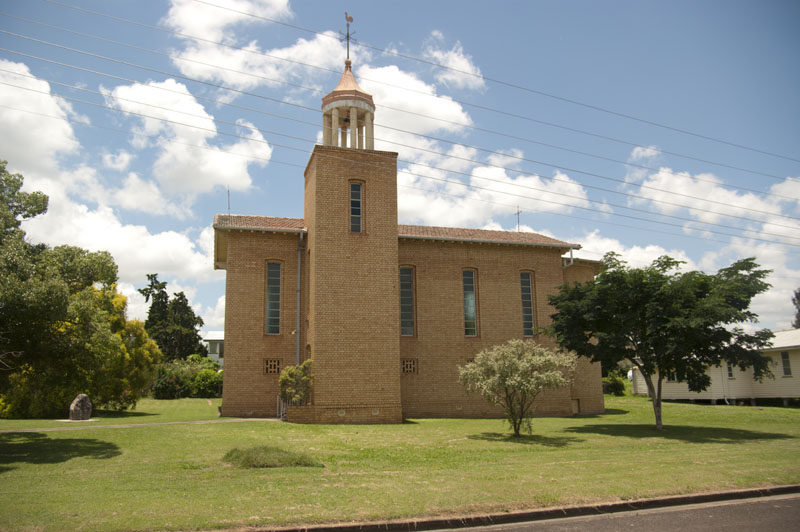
(147, 411)
(173, 477)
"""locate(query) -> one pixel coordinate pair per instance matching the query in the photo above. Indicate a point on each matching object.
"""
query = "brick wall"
(354, 318)
(248, 389)
(350, 308)
(439, 344)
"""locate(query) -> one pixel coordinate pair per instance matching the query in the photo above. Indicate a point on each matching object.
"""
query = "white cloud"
(644, 153)
(640, 156)
(251, 67)
(246, 65)
(37, 142)
(214, 317)
(496, 193)
(136, 250)
(190, 165)
(426, 111)
(209, 22)
(790, 189)
(460, 72)
(119, 162)
(137, 306)
(137, 194)
(594, 246)
(705, 199)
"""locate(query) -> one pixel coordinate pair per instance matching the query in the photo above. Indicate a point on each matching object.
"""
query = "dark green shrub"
(614, 383)
(295, 383)
(207, 383)
(170, 382)
(197, 376)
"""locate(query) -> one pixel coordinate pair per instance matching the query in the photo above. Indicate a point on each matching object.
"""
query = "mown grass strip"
(269, 456)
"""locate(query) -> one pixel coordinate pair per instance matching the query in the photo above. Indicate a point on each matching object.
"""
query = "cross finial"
(349, 19)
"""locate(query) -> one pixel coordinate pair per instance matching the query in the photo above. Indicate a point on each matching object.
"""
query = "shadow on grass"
(608, 412)
(120, 414)
(37, 448)
(686, 433)
(525, 439)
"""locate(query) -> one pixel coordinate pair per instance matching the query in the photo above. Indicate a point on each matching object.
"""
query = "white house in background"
(215, 341)
(729, 383)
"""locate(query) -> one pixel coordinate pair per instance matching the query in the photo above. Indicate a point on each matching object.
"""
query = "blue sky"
(138, 141)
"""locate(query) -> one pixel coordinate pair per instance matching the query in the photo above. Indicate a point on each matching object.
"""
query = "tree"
(295, 383)
(16, 206)
(156, 320)
(796, 301)
(664, 322)
(63, 329)
(171, 322)
(513, 374)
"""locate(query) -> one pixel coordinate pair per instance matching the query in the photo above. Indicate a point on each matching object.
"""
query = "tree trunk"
(655, 396)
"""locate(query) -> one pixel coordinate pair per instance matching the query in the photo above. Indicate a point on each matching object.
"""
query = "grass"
(147, 411)
(174, 477)
(269, 456)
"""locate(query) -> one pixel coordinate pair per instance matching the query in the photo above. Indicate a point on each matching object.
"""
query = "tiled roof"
(479, 235)
(418, 232)
(258, 223)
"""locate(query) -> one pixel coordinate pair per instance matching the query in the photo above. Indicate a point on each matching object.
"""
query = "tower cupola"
(348, 108)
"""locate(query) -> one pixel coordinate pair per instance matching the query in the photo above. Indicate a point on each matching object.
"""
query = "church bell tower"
(353, 329)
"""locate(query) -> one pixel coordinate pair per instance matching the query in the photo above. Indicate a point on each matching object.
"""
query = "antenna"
(229, 200)
(518, 213)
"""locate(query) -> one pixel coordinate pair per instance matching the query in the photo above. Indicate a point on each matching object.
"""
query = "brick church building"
(386, 311)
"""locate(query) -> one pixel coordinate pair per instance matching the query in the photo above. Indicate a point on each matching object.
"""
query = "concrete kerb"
(540, 515)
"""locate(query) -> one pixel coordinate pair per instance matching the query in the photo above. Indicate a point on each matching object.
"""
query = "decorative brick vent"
(272, 366)
(410, 365)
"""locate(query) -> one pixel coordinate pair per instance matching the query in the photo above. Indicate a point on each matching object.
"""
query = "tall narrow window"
(356, 217)
(787, 368)
(730, 371)
(470, 309)
(407, 301)
(273, 298)
(527, 303)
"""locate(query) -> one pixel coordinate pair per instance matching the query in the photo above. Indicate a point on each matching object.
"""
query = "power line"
(572, 216)
(505, 183)
(272, 160)
(461, 102)
(487, 164)
(477, 162)
(545, 163)
(521, 87)
(458, 183)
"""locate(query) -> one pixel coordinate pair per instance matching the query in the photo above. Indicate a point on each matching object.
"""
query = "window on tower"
(356, 206)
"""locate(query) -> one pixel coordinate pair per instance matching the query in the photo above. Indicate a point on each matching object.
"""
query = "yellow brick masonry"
(350, 305)
(248, 390)
(354, 315)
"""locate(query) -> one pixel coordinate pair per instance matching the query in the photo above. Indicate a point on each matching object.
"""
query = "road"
(777, 513)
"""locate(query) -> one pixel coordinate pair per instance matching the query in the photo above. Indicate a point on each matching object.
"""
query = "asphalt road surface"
(778, 513)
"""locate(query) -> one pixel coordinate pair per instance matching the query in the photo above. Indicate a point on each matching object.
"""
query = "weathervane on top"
(349, 19)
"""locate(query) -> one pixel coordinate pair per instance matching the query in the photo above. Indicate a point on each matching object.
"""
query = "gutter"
(260, 229)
